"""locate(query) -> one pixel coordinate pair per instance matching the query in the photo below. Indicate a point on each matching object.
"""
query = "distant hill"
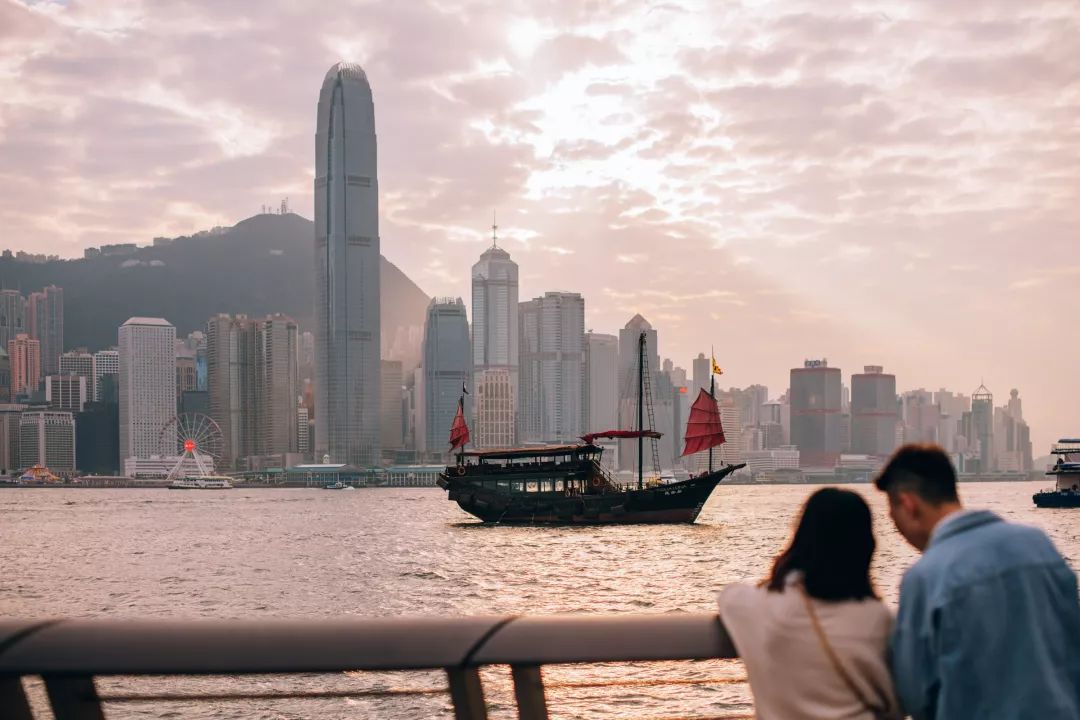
(261, 265)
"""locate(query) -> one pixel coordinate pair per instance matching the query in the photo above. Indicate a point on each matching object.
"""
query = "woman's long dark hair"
(832, 546)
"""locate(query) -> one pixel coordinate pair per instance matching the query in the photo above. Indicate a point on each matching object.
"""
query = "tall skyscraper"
(107, 375)
(67, 392)
(873, 412)
(495, 347)
(80, 362)
(815, 413)
(277, 384)
(5, 376)
(447, 365)
(45, 321)
(982, 422)
(702, 369)
(628, 382)
(392, 404)
(347, 351)
(12, 315)
(25, 356)
(552, 356)
(147, 387)
(602, 368)
(227, 365)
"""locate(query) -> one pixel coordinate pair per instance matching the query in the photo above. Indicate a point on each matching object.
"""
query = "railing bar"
(26, 632)
(182, 697)
(467, 693)
(485, 637)
(73, 697)
(529, 692)
(13, 699)
(646, 683)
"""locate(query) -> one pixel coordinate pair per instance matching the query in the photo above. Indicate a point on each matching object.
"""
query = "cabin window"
(530, 486)
(503, 485)
(558, 486)
(516, 486)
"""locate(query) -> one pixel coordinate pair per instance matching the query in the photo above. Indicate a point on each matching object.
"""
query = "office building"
(392, 404)
(816, 423)
(12, 316)
(45, 323)
(702, 372)
(982, 427)
(10, 415)
(107, 376)
(147, 386)
(495, 347)
(47, 438)
(5, 377)
(97, 439)
(602, 375)
(347, 348)
(552, 368)
(80, 362)
(67, 392)
(873, 412)
(447, 368)
(24, 354)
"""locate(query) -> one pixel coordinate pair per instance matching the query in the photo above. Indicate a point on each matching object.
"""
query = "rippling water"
(310, 553)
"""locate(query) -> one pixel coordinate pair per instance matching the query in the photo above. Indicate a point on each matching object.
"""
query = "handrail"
(69, 653)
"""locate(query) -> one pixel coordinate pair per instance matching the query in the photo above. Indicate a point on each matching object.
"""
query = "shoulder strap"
(834, 660)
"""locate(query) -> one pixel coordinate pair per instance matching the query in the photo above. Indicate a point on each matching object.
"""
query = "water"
(311, 553)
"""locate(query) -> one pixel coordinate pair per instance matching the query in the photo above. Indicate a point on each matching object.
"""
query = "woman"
(814, 634)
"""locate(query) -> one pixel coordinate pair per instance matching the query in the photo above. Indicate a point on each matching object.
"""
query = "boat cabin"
(562, 469)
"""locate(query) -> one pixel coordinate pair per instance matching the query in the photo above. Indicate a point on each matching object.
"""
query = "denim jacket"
(989, 625)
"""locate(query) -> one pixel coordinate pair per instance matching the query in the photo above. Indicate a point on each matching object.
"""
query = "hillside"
(261, 265)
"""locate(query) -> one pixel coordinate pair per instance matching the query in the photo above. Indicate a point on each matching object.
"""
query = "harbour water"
(311, 553)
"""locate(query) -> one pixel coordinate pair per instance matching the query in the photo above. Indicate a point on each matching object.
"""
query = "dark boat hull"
(1057, 499)
(678, 502)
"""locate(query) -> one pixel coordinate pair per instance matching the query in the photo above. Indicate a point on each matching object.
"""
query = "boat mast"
(641, 410)
(712, 391)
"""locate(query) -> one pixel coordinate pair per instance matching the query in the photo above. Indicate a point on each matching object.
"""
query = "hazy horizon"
(894, 184)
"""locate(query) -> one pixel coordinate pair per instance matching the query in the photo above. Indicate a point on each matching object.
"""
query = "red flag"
(703, 429)
(459, 431)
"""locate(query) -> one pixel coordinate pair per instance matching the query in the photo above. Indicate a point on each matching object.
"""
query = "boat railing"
(79, 661)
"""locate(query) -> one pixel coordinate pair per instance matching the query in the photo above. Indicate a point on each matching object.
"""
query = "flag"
(459, 430)
(716, 368)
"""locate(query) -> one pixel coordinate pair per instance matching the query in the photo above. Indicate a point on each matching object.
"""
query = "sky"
(875, 183)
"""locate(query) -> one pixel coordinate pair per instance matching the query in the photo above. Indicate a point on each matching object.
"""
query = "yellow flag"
(716, 368)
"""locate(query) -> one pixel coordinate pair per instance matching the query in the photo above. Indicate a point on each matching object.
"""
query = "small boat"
(337, 486)
(568, 485)
(1066, 471)
(206, 482)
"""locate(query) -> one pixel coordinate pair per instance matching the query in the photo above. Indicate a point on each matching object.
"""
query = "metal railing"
(69, 654)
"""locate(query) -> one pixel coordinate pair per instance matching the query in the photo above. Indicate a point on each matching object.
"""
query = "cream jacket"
(790, 674)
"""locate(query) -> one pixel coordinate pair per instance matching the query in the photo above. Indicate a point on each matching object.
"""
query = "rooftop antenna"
(494, 228)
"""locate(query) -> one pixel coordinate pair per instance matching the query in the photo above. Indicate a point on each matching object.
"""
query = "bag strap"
(833, 658)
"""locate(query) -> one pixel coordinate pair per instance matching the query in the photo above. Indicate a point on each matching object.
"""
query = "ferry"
(1066, 471)
(568, 484)
(337, 486)
(207, 482)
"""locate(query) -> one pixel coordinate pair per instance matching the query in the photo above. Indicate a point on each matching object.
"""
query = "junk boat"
(208, 482)
(567, 484)
(1066, 471)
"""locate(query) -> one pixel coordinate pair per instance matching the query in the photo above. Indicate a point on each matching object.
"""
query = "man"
(989, 620)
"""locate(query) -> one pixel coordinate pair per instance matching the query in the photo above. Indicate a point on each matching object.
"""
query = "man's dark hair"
(923, 469)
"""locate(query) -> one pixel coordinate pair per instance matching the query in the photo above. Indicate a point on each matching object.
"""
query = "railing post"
(73, 697)
(467, 693)
(13, 699)
(529, 691)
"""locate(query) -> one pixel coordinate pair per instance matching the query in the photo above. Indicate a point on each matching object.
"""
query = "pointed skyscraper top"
(638, 323)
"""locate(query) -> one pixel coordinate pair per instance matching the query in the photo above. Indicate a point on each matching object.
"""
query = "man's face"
(909, 513)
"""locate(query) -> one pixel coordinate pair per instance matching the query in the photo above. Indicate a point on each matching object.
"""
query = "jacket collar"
(960, 522)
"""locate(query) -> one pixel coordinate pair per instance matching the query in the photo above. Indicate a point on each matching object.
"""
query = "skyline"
(894, 202)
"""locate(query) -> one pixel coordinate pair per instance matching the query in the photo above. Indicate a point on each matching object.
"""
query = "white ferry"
(207, 482)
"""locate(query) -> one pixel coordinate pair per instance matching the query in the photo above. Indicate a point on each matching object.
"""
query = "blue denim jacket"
(989, 625)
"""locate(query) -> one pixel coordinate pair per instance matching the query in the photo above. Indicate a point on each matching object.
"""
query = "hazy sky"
(886, 183)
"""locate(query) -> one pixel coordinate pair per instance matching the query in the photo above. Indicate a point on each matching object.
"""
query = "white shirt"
(790, 673)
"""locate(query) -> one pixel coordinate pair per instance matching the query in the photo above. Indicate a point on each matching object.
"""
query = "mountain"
(261, 265)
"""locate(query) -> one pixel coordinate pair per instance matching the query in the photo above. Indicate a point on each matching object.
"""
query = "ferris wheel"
(197, 438)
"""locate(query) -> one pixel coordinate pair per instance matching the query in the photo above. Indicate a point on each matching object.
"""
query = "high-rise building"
(5, 376)
(702, 371)
(45, 321)
(1013, 437)
(628, 381)
(97, 439)
(552, 368)
(12, 316)
(392, 403)
(815, 413)
(47, 437)
(982, 427)
(347, 352)
(107, 376)
(495, 347)
(303, 430)
(447, 366)
(253, 384)
(147, 387)
(873, 412)
(25, 356)
(66, 392)
(80, 362)
(10, 416)
(602, 374)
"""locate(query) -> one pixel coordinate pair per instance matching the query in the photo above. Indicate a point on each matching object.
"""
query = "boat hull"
(1057, 499)
(678, 502)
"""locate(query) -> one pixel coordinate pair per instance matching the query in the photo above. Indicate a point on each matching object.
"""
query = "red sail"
(459, 431)
(703, 428)
(621, 434)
